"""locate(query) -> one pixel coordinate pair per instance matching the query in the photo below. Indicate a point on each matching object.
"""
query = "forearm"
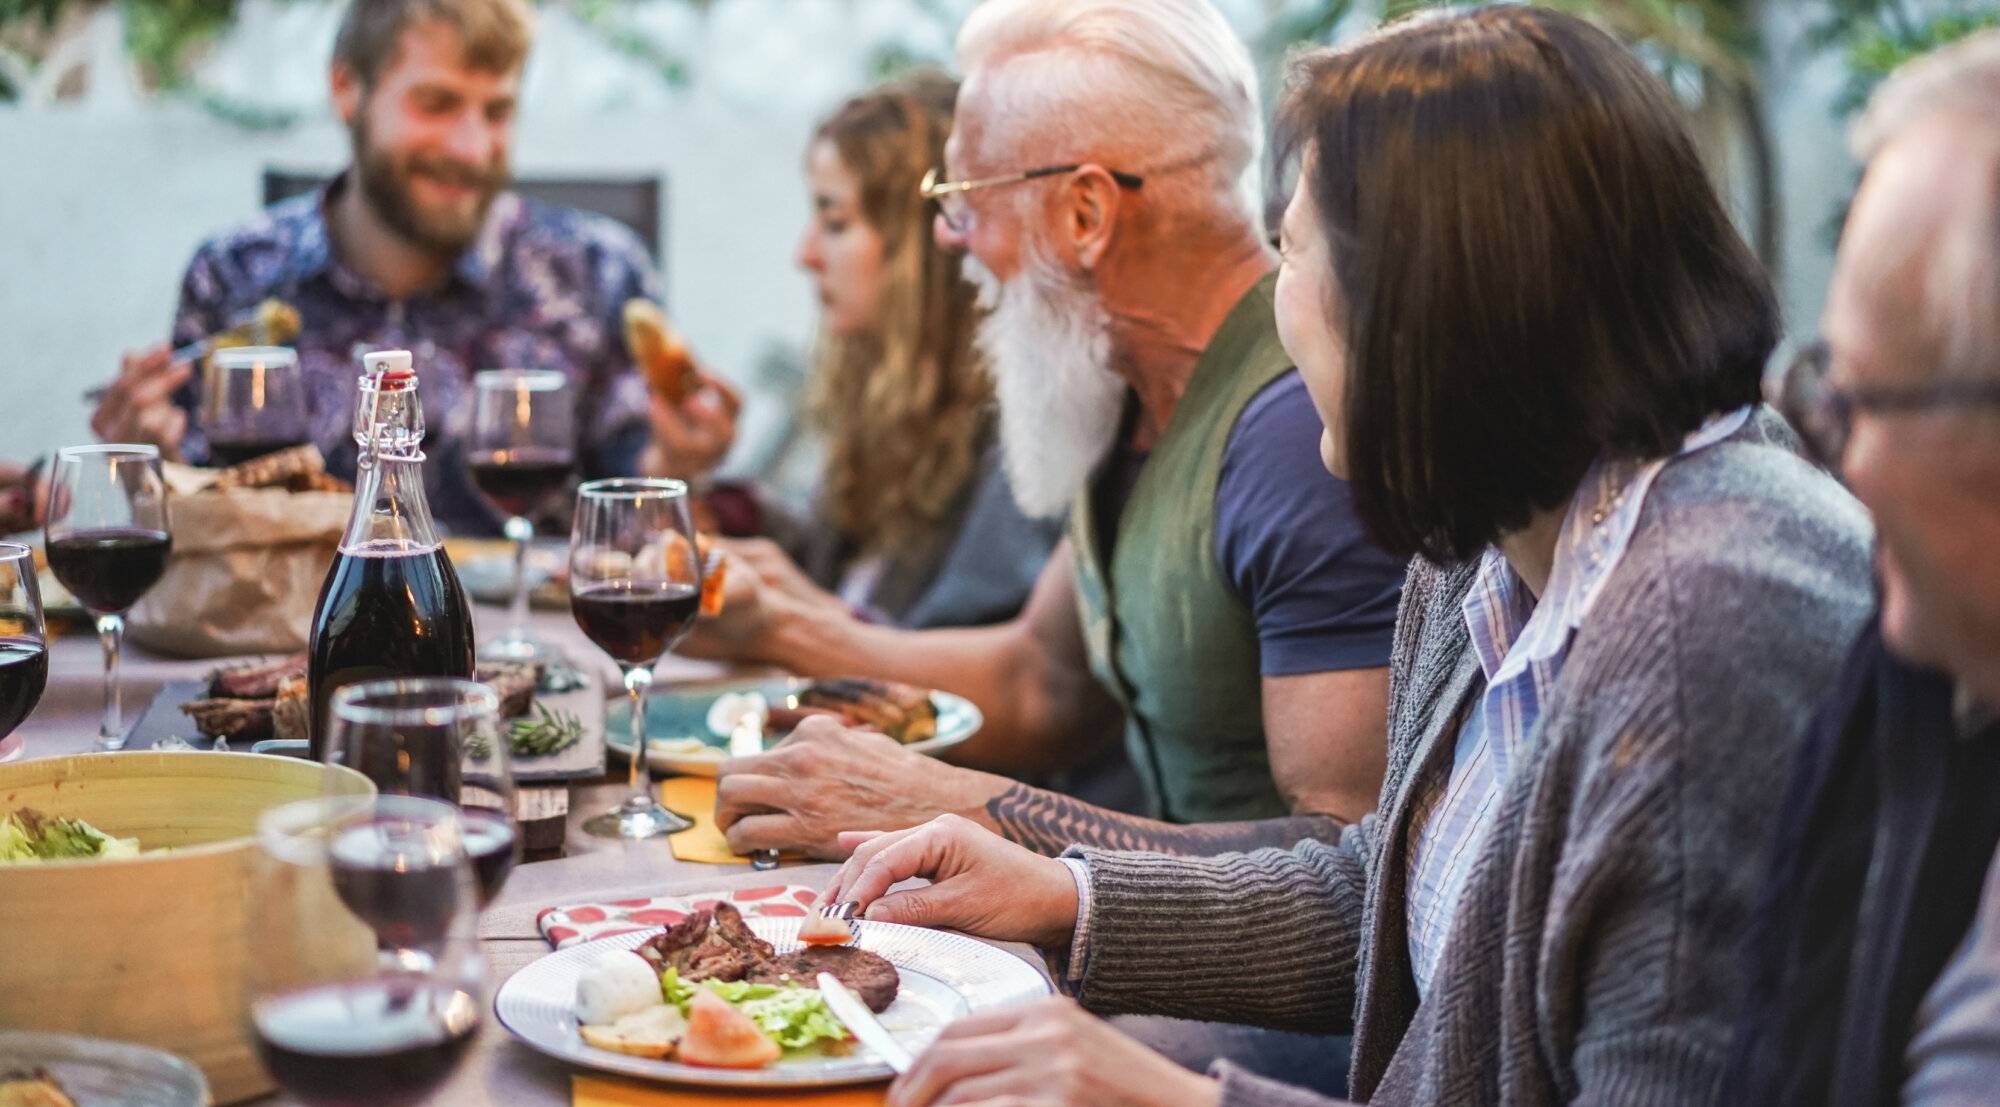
(1049, 822)
(1292, 919)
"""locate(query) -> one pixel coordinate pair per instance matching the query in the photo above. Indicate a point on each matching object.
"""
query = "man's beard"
(1047, 341)
(384, 178)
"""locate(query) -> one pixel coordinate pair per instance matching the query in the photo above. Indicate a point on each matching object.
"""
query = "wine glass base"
(643, 822)
(110, 743)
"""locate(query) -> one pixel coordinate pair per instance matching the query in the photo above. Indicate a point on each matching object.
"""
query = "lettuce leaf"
(788, 1014)
(27, 835)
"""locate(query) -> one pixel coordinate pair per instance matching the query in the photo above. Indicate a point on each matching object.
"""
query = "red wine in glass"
(386, 613)
(379, 1042)
(635, 623)
(24, 670)
(108, 570)
(383, 870)
(493, 848)
(524, 480)
(223, 453)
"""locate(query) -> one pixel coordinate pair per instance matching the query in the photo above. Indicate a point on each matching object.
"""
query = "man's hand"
(139, 405)
(827, 778)
(1048, 1053)
(691, 438)
(981, 883)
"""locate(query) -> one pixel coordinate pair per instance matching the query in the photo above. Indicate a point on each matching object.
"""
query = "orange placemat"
(694, 796)
(605, 1091)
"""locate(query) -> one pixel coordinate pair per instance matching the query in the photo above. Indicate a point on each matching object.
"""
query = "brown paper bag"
(246, 570)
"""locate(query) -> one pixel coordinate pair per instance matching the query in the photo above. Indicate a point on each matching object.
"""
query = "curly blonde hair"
(902, 409)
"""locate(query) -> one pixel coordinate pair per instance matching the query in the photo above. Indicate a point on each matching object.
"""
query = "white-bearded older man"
(1215, 584)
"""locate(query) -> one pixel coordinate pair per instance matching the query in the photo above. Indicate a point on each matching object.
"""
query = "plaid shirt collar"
(1521, 642)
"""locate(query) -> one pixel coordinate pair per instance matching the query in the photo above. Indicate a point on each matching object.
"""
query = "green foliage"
(1877, 43)
(163, 34)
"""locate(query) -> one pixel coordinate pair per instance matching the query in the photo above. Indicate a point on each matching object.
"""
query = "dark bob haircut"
(1532, 268)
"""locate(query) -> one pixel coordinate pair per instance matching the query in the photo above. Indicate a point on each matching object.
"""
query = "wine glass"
(108, 543)
(363, 987)
(252, 403)
(24, 644)
(438, 737)
(521, 453)
(634, 588)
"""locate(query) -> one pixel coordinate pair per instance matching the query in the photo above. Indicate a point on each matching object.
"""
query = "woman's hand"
(980, 882)
(692, 437)
(1049, 1053)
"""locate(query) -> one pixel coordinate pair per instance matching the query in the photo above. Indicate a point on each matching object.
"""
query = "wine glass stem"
(111, 730)
(521, 531)
(637, 680)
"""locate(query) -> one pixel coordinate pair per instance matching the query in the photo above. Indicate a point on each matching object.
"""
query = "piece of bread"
(652, 1032)
(291, 712)
(661, 355)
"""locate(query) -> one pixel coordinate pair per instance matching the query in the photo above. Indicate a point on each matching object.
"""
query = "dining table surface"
(497, 1069)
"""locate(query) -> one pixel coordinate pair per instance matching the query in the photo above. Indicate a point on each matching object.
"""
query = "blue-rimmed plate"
(679, 738)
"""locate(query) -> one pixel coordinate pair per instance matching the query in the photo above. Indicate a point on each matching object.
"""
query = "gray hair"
(1168, 77)
(1961, 82)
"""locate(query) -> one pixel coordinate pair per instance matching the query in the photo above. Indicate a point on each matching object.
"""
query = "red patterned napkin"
(587, 922)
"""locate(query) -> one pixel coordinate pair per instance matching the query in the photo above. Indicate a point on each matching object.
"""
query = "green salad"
(29, 835)
(795, 1017)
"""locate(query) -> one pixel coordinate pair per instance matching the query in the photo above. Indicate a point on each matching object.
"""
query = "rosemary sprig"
(551, 732)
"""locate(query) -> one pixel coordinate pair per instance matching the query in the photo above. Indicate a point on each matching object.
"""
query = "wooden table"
(498, 1070)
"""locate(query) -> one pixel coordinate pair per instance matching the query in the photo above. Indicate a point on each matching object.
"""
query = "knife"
(746, 739)
(848, 1008)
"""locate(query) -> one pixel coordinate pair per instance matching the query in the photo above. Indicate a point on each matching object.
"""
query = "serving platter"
(944, 977)
(680, 737)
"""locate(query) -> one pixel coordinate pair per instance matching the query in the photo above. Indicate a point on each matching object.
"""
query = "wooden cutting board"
(582, 761)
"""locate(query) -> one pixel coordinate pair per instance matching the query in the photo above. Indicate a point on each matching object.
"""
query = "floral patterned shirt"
(543, 287)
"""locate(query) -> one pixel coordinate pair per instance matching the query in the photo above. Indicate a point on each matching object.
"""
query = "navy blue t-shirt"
(1323, 596)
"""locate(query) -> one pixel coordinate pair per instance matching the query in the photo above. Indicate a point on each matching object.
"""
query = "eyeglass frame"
(1824, 414)
(930, 188)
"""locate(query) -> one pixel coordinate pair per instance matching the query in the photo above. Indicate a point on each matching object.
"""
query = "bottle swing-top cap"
(388, 421)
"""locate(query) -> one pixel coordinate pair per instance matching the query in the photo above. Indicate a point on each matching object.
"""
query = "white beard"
(1047, 342)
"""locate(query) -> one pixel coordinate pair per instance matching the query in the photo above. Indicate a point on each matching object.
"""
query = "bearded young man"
(419, 245)
(1215, 586)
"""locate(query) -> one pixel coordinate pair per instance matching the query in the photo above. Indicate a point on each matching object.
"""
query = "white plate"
(680, 740)
(944, 976)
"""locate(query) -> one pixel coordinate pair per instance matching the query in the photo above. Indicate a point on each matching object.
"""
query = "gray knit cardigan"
(1593, 958)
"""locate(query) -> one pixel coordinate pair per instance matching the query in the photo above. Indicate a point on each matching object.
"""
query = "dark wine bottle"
(392, 605)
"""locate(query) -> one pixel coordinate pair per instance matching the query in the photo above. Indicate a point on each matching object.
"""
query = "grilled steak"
(868, 975)
(716, 944)
(257, 680)
(711, 944)
(897, 710)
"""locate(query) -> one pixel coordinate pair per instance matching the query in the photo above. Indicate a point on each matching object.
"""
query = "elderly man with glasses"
(1215, 587)
(1876, 966)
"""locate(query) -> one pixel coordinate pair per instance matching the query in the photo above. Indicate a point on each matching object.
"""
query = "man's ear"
(1093, 205)
(345, 86)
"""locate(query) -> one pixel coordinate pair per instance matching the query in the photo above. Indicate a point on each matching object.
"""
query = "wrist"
(1064, 904)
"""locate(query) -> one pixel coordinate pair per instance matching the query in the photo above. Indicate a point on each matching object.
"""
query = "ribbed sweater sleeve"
(1266, 938)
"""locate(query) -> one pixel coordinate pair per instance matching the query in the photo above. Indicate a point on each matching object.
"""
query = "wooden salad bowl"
(149, 949)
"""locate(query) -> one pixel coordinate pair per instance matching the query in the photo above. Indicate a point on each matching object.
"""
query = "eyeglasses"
(1824, 413)
(950, 195)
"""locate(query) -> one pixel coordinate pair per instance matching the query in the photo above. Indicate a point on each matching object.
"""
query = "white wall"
(102, 200)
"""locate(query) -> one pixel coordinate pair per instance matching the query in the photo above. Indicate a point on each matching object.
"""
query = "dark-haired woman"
(1535, 342)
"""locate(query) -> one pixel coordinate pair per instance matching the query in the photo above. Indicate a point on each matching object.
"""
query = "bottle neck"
(391, 513)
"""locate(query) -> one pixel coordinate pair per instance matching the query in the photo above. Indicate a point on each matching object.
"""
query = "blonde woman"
(913, 523)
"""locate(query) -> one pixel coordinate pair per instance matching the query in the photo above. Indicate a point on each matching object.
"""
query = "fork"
(844, 911)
